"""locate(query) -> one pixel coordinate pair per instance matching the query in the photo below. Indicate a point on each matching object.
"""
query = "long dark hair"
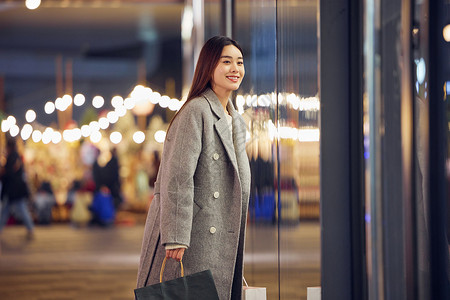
(207, 62)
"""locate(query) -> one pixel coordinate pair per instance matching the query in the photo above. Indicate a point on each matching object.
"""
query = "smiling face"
(229, 72)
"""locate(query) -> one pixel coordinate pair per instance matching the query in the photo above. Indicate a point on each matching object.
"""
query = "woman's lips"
(233, 78)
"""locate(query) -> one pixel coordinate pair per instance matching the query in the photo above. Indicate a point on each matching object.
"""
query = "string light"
(120, 105)
(141, 94)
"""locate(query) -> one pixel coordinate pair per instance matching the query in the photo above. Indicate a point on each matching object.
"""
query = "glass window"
(278, 99)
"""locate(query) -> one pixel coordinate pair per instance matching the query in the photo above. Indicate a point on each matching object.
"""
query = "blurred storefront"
(384, 149)
(107, 76)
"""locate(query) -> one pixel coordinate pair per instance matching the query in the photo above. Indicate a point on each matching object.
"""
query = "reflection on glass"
(212, 19)
(255, 31)
(421, 127)
(279, 102)
(298, 148)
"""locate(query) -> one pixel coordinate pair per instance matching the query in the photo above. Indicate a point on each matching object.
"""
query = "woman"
(199, 210)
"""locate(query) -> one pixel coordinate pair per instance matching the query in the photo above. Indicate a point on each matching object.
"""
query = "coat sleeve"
(180, 156)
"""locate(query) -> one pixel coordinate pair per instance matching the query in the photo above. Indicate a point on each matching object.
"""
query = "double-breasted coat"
(201, 197)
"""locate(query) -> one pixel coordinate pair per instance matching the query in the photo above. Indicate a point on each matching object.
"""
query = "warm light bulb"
(129, 103)
(12, 120)
(98, 101)
(67, 101)
(56, 137)
(67, 135)
(115, 137)
(26, 132)
(30, 116)
(155, 97)
(121, 111)
(49, 107)
(96, 137)
(164, 101)
(6, 125)
(138, 92)
(79, 99)
(95, 126)
(446, 33)
(139, 137)
(240, 101)
(112, 117)
(160, 136)
(46, 137)
(32, 4)
(117, 101)
(174, 104)
(14, 130)
(76, 134)
(36, 136)
(85, 130)
(103, 123)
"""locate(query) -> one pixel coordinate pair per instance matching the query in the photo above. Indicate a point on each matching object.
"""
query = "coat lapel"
(239, 139)
(222, 127)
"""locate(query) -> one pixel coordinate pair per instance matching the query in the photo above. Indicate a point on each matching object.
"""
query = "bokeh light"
(139, 137)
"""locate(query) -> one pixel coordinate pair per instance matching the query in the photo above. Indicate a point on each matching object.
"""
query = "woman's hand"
(176, 254)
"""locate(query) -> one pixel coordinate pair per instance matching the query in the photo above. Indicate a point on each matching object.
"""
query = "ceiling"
(104, 40)
(52, 29)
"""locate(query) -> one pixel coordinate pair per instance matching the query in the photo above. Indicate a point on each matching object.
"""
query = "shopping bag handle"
(245, 281)
(164, 266)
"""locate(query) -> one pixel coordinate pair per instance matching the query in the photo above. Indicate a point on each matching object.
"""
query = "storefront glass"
(279, 101)
(421, 120)
(298, 129)
(106, 50)
(256, 31)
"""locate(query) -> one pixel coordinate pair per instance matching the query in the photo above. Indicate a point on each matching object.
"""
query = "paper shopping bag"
(253, 293)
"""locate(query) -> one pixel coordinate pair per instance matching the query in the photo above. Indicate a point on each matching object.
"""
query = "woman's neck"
(223, 97)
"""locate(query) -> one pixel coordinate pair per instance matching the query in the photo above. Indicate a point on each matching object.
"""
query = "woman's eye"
(240, 63)
(226, 62)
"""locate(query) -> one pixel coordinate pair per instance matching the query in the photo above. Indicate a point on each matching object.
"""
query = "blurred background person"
(44, 200)
(106, 173)
(102, 208)
(82, 199)
(15, 192)
(154, 170)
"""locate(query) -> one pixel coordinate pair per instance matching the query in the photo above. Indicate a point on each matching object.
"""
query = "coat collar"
(216, 105)
(235, 144)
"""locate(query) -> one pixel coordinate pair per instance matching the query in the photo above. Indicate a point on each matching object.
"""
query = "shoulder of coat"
(196, 105)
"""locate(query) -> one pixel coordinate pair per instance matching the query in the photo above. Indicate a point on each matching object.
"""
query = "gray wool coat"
(200, 198)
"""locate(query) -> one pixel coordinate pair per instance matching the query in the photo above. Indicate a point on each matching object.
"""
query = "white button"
(216, 195)
(212, 230)
(216, 156)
